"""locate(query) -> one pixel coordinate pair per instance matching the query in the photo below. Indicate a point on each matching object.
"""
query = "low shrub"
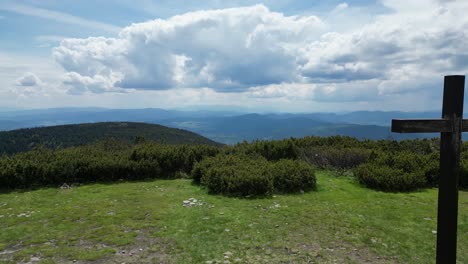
(335, 158)
(236, 175)
(242, 174)
(270, 150)
(172, 159)
(293, 176)
(105, 161)
(389, 179)
(397, 172)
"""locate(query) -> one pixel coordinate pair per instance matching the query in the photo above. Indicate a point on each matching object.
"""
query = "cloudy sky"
(275, 55)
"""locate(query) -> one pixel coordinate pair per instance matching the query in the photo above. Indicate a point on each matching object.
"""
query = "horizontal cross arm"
(421, 125)
(425, 125)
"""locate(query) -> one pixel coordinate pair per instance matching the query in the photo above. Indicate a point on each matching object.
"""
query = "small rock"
(237, 260)
(434, 232)
(427, 219)
(227, 253)
(141, 249)
(227, 230)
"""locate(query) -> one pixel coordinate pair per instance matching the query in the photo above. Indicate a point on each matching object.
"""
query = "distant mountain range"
(63, 136)
(227, 127)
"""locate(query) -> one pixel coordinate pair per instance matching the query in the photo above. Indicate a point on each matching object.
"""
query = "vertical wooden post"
(450, 143)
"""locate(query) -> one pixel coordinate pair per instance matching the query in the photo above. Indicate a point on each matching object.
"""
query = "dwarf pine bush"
(250, 174)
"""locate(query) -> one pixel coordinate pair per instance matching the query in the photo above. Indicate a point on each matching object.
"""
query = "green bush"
(173, 159)
(293, 176)
(335, 158)
(270, 150)
(242, 174)
(236, 175)
(105, 161)
(389, 179)
(404, 171)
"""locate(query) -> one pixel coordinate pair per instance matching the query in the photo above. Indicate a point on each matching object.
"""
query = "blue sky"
(274, 55)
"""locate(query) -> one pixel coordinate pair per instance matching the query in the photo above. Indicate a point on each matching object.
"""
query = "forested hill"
(63, 136)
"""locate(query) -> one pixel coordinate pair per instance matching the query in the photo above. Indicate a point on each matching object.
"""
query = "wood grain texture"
(422, 125)
(450, 143)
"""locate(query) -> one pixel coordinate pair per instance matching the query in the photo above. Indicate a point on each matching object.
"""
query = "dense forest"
(57, 137)
(255, 168)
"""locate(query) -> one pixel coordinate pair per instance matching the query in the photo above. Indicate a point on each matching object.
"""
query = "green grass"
(145, 222)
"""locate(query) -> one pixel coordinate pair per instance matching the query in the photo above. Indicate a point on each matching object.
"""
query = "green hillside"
(80, 134)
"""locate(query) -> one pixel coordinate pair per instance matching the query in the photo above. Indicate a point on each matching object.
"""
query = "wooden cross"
(450, 127)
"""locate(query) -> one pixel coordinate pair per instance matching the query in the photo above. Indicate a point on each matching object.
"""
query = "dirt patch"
(7, 255)
(336, 253)
(145, 250)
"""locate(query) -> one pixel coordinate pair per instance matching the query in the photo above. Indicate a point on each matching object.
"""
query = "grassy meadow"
(146, 222)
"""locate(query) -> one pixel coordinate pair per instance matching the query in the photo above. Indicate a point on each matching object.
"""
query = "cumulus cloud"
(79, 84)
(265, 54)
(28, 79)
(228, 50)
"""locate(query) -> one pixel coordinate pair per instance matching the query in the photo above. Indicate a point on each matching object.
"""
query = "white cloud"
(260, 55)
(288, 90)
(24, 76)
(29, 79)
(78, 84)
(58, 16)
(341, 7)
(227, 50)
